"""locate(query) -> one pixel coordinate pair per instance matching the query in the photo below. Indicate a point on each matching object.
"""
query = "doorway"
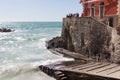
(111, 22)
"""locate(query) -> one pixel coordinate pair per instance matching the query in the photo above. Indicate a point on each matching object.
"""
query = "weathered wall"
(115, 55)
(87, 36)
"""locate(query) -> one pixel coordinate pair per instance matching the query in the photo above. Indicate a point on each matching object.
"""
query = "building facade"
(106, 11)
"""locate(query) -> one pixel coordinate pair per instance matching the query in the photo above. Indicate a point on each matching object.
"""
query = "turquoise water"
(22, 51)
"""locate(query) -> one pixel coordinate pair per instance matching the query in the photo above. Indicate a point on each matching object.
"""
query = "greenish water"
(23, 50)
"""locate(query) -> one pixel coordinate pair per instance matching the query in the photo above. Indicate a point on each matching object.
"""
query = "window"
(101, 10)
(92, 10)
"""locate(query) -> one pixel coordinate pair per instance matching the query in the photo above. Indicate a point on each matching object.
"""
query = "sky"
(37, 10)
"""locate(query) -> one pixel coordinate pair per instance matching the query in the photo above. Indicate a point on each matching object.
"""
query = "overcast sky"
(37, 10)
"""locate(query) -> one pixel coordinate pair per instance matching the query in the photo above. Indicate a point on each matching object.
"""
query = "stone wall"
(90, 37)
(87, 36)
(115, 55)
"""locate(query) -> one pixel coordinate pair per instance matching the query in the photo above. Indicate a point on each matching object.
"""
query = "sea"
(23, 50)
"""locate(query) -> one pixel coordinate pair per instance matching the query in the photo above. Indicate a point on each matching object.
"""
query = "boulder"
(6, 30)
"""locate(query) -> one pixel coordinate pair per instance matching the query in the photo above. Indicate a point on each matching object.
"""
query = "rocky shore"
(91, 42)
(89, 37)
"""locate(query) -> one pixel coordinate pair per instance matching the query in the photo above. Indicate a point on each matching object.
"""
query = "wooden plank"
(97, 67)
(78, 66)
(116, 74)
(100, 69)
(106, 68)
(110, 71)
(75, 65)
(115, 71)
(103, 68)
(93, 74)
(89, 66)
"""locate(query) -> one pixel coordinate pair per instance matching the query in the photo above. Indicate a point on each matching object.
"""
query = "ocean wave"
(15, 70)
(22, 72)
(22, 51)
(19, 38)
(2, 49)
(50, 61)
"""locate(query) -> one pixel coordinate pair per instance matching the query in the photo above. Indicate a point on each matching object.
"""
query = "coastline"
(82, 40)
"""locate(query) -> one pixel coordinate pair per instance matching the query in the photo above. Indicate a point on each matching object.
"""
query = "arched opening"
(92, 10)
(110, 22)
(101, 10)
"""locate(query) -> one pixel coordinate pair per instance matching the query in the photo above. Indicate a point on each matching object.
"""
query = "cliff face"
(87, 36)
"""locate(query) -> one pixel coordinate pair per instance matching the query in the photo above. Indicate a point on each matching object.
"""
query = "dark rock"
(55, 43)
(6, 30)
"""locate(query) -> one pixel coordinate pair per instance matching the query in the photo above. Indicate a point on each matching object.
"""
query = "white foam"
(43, 39)
(54, 61)
(2, 49)
(19, 39)
(22, 72)
(10, 42)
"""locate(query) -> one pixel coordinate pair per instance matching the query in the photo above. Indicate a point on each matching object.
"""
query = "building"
(107, 11)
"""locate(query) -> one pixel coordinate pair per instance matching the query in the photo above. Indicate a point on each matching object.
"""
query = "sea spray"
(22, 51)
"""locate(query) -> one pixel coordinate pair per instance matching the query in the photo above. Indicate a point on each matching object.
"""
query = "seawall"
(89, 37)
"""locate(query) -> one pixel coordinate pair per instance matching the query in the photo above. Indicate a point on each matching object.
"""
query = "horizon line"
(27, 21)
